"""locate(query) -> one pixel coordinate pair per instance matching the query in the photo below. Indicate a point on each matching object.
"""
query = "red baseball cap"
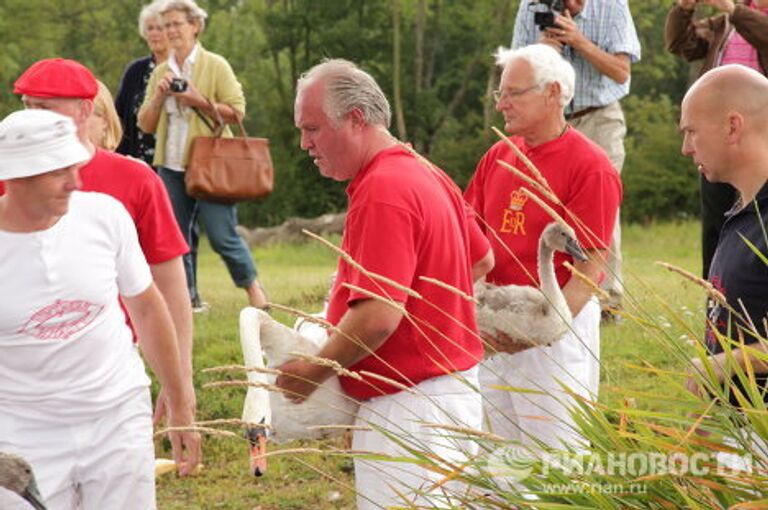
(57, 77)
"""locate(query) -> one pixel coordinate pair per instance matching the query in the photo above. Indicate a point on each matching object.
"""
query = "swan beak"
(574, 250)
(32, 495)
(257, 437)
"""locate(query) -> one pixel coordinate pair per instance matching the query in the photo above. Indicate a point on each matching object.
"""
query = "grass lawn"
(664, 311)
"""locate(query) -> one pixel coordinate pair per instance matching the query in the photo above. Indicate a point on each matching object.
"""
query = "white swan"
(539, 316)
(262, 337)
(17, 478)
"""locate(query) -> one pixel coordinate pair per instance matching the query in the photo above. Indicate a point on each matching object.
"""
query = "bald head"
(732, 89)
(723, 120)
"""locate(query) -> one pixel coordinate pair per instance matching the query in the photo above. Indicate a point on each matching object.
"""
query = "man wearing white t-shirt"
(73, 391)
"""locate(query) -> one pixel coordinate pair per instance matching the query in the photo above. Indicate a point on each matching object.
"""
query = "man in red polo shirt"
(67, 87)
(406, 219)
(536, 84)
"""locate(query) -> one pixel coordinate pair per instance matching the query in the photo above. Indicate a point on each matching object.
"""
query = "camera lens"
(178, 85)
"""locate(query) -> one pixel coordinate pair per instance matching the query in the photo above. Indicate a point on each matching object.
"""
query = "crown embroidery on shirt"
(517, 200)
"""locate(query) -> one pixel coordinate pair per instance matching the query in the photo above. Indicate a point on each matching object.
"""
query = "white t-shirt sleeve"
(133, 274)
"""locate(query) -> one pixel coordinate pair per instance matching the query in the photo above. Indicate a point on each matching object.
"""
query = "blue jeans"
(219, 221)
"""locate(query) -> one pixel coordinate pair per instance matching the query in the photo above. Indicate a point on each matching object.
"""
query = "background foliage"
(432, 58)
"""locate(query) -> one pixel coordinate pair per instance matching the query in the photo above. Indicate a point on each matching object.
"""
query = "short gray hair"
(191, 10)
(348, 87)
(148, 12)
(547, 64)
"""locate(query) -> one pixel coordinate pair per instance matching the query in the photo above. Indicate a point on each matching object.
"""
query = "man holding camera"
(598, 38)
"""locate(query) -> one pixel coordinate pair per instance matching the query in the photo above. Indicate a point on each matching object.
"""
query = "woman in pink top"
(739, 35)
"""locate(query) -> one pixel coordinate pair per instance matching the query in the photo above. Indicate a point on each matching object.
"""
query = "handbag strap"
(218, 127)
(205, 120)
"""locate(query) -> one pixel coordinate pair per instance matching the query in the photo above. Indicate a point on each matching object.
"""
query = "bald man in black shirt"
(724, 119)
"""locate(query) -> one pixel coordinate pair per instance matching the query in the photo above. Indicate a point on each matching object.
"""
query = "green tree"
(431, 57)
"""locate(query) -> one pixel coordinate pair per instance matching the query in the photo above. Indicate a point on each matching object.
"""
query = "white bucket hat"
(34, 142)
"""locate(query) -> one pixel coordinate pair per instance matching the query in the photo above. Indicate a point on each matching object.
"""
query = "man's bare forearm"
(366, 326)
(172, 283)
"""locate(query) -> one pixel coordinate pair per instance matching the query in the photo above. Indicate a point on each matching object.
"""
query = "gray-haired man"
(406, 219)
(536, 84)
(599, 39)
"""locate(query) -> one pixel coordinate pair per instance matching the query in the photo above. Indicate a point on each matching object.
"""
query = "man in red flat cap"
(68, 87)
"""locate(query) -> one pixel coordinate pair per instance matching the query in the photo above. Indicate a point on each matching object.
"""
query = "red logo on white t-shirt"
(61, 320)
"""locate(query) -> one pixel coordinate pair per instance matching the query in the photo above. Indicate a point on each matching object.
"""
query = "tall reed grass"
(647, 442)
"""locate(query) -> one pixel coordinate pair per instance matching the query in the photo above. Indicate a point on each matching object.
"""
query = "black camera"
(544, 12)
(178, 85)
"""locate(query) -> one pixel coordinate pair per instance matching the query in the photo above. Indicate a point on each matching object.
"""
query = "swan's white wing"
(328, 405)
(279, 341)
(313, 331)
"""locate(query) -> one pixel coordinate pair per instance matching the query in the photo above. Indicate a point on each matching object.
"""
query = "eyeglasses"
(174, 24)
(499, 95)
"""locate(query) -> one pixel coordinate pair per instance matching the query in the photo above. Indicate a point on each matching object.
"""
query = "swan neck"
(546, 268)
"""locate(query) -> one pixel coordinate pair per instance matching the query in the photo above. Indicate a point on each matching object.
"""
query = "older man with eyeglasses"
(598, 38)
(536, 85)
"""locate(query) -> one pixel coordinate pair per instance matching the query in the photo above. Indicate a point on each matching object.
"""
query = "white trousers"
(447, 400)
(542, 414)
(735, 462)
(106, 462)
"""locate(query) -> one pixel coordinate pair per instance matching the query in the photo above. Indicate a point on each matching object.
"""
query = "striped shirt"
(608, 24)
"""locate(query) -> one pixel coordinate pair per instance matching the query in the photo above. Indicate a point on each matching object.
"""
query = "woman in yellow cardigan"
(195, 79)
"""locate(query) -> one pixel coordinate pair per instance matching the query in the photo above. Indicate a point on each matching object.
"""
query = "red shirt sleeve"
(474, 193)
(478, 242)
(143, 194)
(159, 234)
(386, 244)
(478, 239)
(595, 200)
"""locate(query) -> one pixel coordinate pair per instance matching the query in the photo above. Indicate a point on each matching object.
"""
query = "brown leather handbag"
(228, 170)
